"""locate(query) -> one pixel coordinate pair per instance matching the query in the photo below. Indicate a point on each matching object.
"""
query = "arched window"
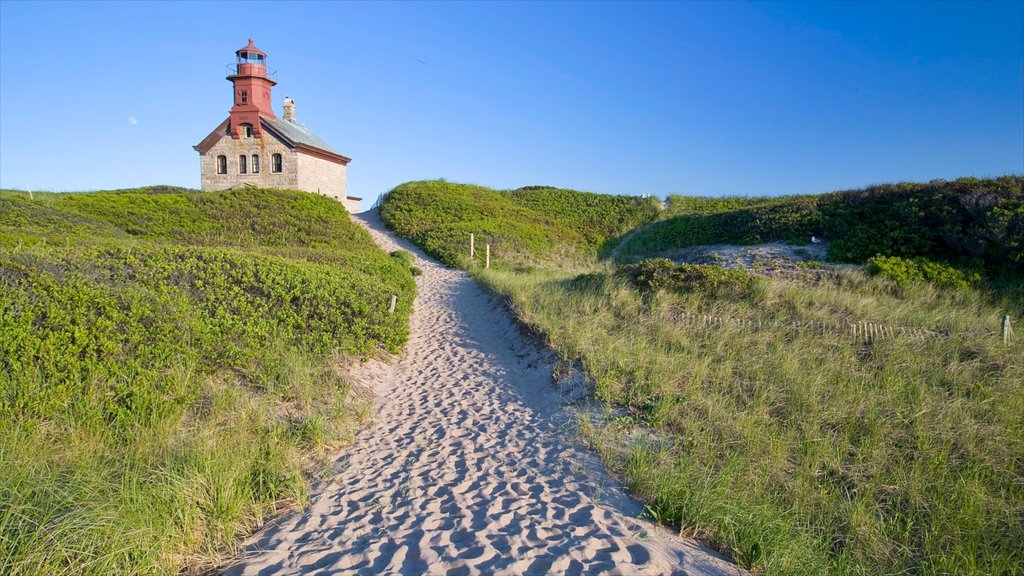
(255, 163)
(276, 163)
(222, 164)
(241, 164)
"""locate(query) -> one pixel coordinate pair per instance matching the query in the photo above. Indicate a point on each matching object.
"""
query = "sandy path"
(467, 469)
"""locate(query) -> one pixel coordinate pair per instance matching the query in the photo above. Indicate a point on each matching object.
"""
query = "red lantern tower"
(248, 75)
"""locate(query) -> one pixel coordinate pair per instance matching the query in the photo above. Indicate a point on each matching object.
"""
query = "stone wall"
(321, 176)
(352, 205)
(266, 147)
(299, 171)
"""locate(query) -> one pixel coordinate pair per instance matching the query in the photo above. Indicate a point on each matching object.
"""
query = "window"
(247, 130)
(276, 161)
(245, 96)
(222, 164)
(255, 163)
(241, 164)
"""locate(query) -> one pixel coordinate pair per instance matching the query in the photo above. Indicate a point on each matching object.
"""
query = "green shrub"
(906, 271)
(960, 222)
(167, 365)
(522, 226)
(663, 274)
(404, 256)
(679, 205)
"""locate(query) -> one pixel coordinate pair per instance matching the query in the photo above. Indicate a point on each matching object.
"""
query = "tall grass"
(805, 452)
(170, 369)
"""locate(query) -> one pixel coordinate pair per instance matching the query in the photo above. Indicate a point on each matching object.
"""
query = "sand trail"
(467, 468)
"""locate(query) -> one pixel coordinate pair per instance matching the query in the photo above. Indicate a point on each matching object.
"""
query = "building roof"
(213, 137)
(295, 136)
(251, 48)
(296, 133)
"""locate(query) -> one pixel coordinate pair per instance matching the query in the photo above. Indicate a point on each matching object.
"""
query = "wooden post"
(487, 263)
(472, 245)
(394, 300)
(1007, 329)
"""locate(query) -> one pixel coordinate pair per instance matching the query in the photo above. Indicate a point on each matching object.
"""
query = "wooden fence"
(863, 331)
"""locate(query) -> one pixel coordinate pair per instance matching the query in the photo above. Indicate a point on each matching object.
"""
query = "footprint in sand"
(466, 470)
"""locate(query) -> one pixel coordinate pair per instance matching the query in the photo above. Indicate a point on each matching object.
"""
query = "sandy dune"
(467, 468)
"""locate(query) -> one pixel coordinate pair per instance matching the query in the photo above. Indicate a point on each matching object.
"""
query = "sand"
(470, 466)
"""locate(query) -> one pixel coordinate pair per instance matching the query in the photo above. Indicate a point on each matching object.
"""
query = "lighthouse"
(253, 147)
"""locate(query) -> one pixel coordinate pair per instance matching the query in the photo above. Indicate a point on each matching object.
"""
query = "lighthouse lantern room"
(251, 86)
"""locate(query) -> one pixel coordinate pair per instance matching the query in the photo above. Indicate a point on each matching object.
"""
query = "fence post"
(1007, 329)
(394, 300)
(472, 247)
(487, 264)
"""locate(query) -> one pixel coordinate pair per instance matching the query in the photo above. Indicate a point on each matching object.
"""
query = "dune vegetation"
(171, 368)
(533, 224)
(750, 411)
(968, 222)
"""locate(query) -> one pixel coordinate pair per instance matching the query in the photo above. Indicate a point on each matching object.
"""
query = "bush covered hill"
(525, 225)
(966, 222)
(750, 411)
(169, 361)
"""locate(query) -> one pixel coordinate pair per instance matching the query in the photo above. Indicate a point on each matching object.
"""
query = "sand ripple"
(467, 468)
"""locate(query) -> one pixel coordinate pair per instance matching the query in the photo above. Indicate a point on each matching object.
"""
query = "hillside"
(856, 421)
(967, 222)
(170, 365)
(527, 225)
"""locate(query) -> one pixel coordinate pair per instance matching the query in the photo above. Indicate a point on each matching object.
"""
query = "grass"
(170, 368)
(797, 451)
(800, 452)
(524, 226)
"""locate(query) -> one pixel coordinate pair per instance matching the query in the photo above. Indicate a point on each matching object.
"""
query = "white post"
(472, 247)
(1007, 329)
(487, 264)
(394, 300)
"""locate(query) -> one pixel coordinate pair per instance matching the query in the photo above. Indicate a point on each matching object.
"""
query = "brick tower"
(252, 88)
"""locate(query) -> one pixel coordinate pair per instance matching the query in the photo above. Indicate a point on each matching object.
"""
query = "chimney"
(289, 109)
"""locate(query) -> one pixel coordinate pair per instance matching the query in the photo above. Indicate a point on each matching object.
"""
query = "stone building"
(255, 147)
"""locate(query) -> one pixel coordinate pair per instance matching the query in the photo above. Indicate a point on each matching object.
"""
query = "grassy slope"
(966, 221)
(168, 363)
(800, 452)
(523, 226)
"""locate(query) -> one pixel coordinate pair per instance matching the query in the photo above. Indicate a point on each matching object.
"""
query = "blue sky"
(624, 98)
